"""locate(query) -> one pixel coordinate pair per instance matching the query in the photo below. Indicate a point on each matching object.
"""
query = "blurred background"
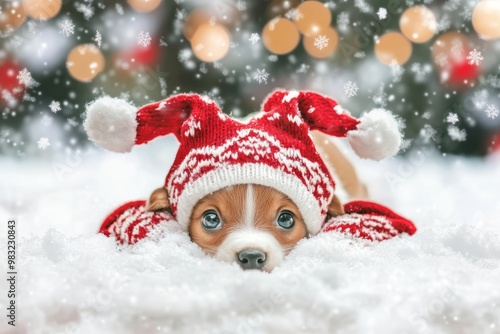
(434, 63)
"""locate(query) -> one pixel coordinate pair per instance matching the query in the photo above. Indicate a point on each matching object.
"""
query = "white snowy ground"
(445, 279)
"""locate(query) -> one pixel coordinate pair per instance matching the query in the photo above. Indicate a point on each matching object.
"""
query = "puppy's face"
(253, 225)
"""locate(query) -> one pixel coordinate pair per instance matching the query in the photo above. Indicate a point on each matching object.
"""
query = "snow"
(457, 134)
(260, 75)
(343, 21)
(350, 89)
(43, 143)
(143, 39)
(442, 280)
(254, 38)
(66, 27)
(24, 77)
(492, 111)
(55, 106)
(475, 57)
(452, 118)
(98, 38)
(321, 42)
(294, 14)
(382, 13)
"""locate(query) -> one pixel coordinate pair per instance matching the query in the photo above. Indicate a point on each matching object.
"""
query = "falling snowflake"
(260, 76)
(24, 77)
(180, 14)
(441, 59)
(363, 6)
(351, 89)
(451, 5)
(184, 55)
(98, 38)
(254, 38)
(421, 71)
(456, 134)
(241, 5)
(273, 58)
(54, 106)
(493, 80)
(444, 23)
(294, 14)
(380, 97)
(43, 143)
(321, 42)
(382, 13)
(86, 10)
(427, 133)
(396, 70)
(66, 27)
(143, 39)
(119, 9)
(203, 68)
(303, 68)
(475, 57)
(457, 49)
(491, 111)
(452, 118)
(479, 98)
(343, 21)
(330, 4)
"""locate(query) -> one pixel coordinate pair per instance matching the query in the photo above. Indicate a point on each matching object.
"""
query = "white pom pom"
(111, 123)
(377, 136)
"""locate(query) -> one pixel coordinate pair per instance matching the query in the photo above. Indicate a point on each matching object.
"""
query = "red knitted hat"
(272, 148)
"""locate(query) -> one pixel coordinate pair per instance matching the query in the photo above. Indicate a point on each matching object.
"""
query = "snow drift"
(444, 279)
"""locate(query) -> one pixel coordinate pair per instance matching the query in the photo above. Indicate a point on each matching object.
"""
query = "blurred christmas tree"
(433, 63)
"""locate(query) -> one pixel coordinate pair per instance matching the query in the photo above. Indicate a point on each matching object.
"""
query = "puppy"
(253, 225)
(257, 226)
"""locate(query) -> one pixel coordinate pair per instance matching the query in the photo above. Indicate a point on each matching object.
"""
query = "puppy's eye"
(210, 220)
(286, 220)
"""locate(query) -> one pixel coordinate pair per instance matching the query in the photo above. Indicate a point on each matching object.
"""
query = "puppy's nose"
(251, 259)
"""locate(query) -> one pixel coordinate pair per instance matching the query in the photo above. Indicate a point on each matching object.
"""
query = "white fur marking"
(251, 238)
(248, 215)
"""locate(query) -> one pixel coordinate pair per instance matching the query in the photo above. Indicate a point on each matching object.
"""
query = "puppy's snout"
(251, 259)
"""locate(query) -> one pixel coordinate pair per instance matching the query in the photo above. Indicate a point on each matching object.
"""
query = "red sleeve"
(130, 222)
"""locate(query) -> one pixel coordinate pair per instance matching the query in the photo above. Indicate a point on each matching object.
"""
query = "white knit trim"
(251, 173)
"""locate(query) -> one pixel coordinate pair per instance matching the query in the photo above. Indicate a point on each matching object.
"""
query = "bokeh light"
(486, 19)
(280, 36)
(312, 17)
(322, 45)
(144, 5)
(393, 48)
(418, 24)
(194, 20)
(42, 9)
(12, 16)
(210, 42)
(84, 62)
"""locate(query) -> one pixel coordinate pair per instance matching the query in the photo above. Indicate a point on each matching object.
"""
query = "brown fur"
(229, 203)
(158, 200)
(335, 208)
(338, 162)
